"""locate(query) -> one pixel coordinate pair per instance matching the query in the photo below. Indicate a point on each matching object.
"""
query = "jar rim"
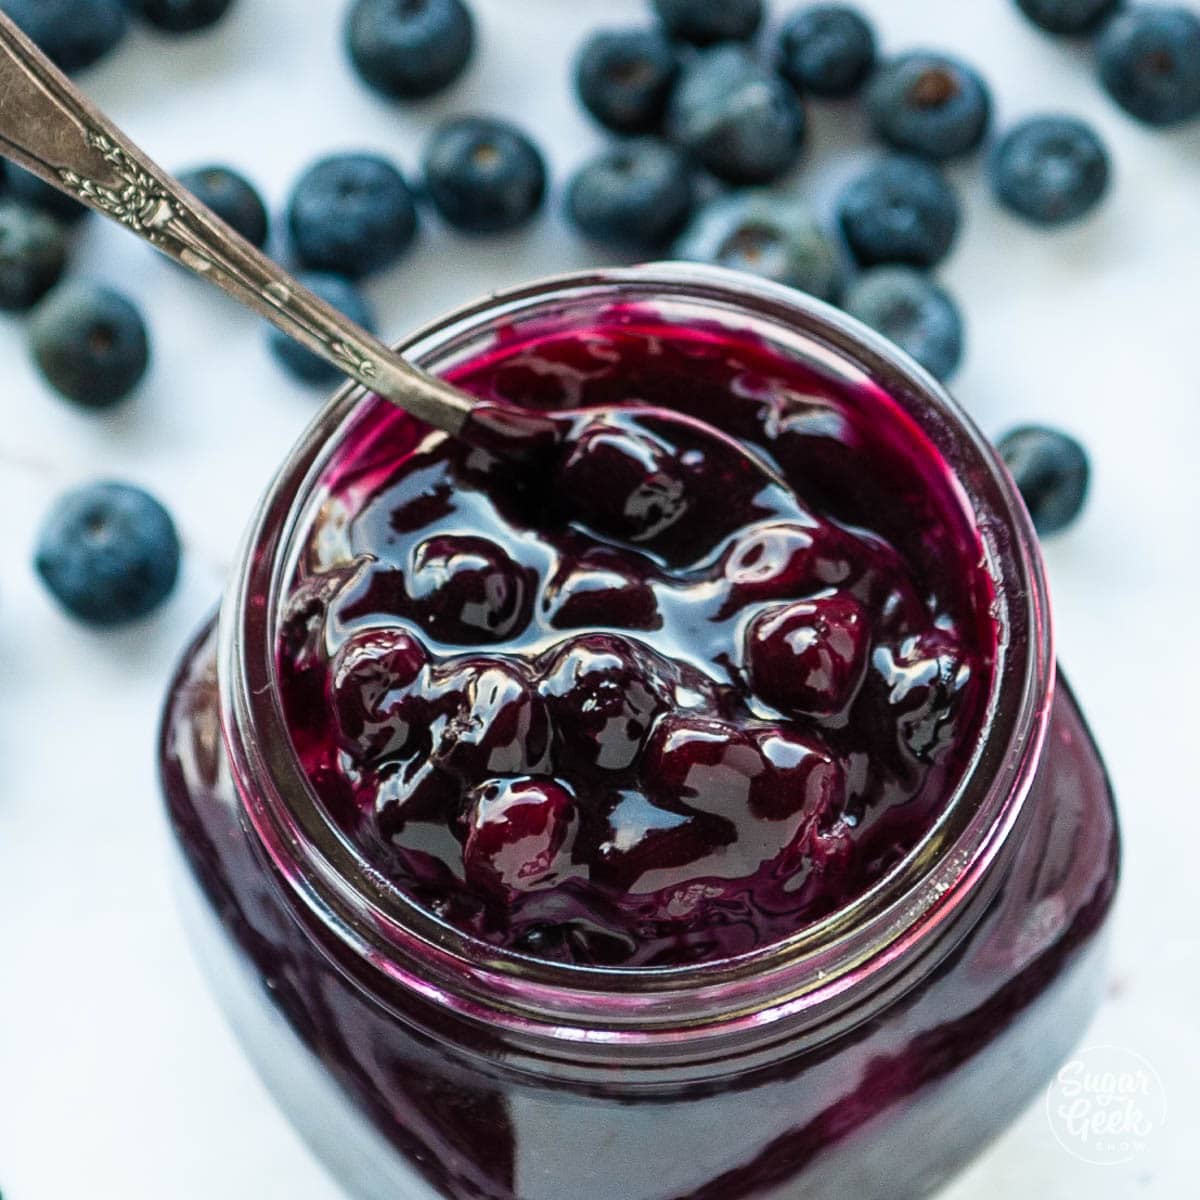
(858, 946)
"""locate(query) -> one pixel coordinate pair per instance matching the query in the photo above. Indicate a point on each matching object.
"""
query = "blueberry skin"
(1067, 16)
(108, 553)
(484, 175)
(232, 197)
(181, 16)
(1050, 170)
(1149, 60)
(352, 215)
(298, 360)
(930, 105)
(902, 210)
(827, 50)
(408, 51)
(1051, 470)
(767, 234)
(623, 77)
(26, 187)
(635, 196)
(90, 343)
(73, 34)
(703, 22)
(33, 253)
(912, 311)
(743, 122)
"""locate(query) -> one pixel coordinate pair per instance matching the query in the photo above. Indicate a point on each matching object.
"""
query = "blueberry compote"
(636, 704)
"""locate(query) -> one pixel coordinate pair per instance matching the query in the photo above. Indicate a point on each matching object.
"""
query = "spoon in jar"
(50, 128)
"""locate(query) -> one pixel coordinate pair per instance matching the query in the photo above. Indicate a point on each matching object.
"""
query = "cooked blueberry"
(377, 709)
(827, 49)
(1051, 470)
(181, 16)
(1067, 16)
(901, 210)
(768, 234)
(1149, 59)
(1050, 170)
(26, 187)
(624, 78)
(912, 311)
(782, 560)
(929, 104)
(739, 119)
(351, 214)
(73, 34)
(232, 197)
(600, 589)
(635, 196)
(925, 677)
(484, 175)
(409, 49)
(90, 343)
(33, 252)
(298, 360)
(706, 21)
(108, 552)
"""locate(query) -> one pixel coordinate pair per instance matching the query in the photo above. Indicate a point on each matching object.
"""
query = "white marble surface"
(118, 1077)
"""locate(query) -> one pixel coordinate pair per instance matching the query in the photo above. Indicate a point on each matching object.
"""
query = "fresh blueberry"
(298, 360)
(902, 210)
(929, 104)
(1149, 59)
(767, 234)
(484, 175)
(23, 185)
(624, 78)
(72, 33)
(635, 196)
(108, 552)
(913, 312)
(351, 214)
(90, 343)
(827, 50)
(181, 16)
(1067, 16)
(1051, 470)
(706, 21)
(409, 49)
(1050, 170)
(232, 197)
(33, 252)
(743, 122)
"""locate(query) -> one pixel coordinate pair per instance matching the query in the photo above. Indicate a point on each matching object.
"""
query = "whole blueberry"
(1051, 471)
(767, 234)
(33, 252)
(912, 311)
(409, 49)
(181, 16)
(635, 196)
(1067, 16)
(828, 50)
(624, 78)
(298, 360)
(73, 34)
(703, 22)
(23, 185)
(901, 210)
(484, 175)
(929, 104)
(351, 214)
(739, 119)
(1050, 170)
(232, 197)
(108, 553)
(1149, 59)
(90, 343)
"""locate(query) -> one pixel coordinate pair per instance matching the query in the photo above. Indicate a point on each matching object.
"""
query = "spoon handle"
(50, 128)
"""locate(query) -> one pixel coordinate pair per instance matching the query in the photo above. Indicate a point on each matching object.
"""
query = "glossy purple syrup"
(639, 704)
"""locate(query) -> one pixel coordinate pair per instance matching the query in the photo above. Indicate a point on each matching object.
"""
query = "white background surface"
(118, 1077)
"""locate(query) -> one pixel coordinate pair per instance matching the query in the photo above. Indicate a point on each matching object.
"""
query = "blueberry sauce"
(642, 705)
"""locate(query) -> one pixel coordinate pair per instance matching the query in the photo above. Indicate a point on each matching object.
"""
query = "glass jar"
(873, 1053)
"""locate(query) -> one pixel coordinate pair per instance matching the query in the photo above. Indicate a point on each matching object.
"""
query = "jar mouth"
(869, 937)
